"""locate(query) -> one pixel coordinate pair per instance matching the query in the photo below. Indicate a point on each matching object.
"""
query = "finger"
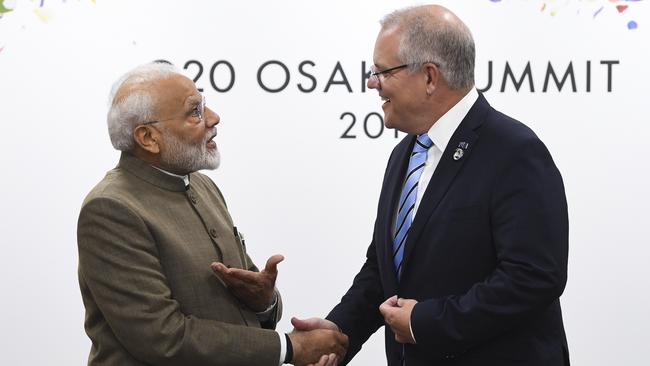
(331, 360)
(242, 275)
(218, 267)
(386, 309)
(383, 309)
(323, 360)
(272, 264)
(404, 302)
(221, 272)
(392, 300)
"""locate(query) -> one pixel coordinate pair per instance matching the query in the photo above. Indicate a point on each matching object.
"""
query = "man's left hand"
(255, 289)
(397, 315)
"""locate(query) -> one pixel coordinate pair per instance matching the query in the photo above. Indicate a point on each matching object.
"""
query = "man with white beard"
(164, 274)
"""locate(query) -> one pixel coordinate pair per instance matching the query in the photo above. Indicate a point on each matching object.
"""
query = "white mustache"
(212, 134)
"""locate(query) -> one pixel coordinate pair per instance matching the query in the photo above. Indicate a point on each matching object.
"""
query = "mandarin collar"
(150, 174)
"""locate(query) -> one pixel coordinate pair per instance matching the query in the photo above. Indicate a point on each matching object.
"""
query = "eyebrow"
(192, 101)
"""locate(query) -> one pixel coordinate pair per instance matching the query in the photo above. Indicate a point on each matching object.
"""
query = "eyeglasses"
(376, 76)
(197, 114)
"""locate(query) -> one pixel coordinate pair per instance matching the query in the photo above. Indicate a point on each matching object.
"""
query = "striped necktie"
(407, 198)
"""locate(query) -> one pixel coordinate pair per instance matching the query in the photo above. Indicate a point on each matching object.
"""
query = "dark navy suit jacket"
(486, 257)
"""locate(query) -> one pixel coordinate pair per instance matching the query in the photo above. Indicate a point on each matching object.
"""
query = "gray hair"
(425, 38)
(136, 105)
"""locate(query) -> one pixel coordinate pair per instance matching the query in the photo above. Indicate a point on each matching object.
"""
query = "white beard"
(179, 156)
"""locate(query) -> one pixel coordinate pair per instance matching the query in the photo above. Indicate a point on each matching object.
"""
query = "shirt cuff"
(411, 329)
(266, 315)
(283, 348)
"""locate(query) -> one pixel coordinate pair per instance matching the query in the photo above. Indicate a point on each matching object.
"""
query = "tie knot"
(423, 143)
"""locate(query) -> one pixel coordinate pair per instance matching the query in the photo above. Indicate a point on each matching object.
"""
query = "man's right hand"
(309, 346)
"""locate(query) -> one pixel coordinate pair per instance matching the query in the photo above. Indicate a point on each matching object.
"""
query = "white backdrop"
(293, 185)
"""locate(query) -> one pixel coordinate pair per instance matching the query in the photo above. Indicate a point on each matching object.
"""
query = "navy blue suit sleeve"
(529, 226)
(357, 315)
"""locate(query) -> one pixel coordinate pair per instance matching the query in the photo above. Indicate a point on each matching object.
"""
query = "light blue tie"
(407, 198)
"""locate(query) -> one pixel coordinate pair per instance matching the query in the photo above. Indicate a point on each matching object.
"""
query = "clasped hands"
(397, 315)
(322, 346)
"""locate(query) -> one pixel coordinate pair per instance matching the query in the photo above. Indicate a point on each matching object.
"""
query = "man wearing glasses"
(469, 251)
(164, 273)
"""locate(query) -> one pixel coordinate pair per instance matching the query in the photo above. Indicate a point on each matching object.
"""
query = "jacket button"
(213, 232)
(193, 198)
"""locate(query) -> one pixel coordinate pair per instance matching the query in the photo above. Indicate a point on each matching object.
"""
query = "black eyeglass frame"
(376, 74)
(200, 111)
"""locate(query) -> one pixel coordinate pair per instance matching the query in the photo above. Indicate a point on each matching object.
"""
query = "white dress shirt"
(440, 133)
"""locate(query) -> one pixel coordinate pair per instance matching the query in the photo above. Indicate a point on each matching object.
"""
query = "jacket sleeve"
(529, 227)
(357, 315)
(119, 265)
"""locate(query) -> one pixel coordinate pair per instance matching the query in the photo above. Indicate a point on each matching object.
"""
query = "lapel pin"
(460, 150)
(458, 154)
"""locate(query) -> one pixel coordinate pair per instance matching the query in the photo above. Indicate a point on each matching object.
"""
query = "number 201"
(348, 134)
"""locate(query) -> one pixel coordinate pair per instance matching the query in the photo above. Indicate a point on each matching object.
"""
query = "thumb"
(272, 263)
(303, 324)
(393, 300)
(312, 324)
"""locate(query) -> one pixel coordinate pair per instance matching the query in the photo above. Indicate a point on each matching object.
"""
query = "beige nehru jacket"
(145, 248)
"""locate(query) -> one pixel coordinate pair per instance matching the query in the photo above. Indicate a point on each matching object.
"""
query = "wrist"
(289, 354)
(296, 347)
(268, 307)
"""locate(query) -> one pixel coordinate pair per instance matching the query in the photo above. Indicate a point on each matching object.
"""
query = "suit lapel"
(445, 174)
(393, 183)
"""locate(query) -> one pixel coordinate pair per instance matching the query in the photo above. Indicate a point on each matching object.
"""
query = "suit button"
(193, 198)
(213, 232)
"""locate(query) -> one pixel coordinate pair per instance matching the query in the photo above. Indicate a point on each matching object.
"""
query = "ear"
(432, 74)
(147, 138)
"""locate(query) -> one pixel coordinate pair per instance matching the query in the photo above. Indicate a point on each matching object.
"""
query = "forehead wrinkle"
(174, 93)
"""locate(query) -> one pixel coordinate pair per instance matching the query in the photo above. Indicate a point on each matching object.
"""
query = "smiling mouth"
(384, 99)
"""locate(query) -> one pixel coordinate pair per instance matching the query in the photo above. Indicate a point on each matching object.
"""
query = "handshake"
(313, 341)
(325, 339)
(317, 342)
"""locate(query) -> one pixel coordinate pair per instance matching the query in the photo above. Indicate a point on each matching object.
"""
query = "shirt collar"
(442, 130)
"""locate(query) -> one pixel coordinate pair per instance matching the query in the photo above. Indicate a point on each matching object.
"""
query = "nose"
(373, 82)
(211, 117)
